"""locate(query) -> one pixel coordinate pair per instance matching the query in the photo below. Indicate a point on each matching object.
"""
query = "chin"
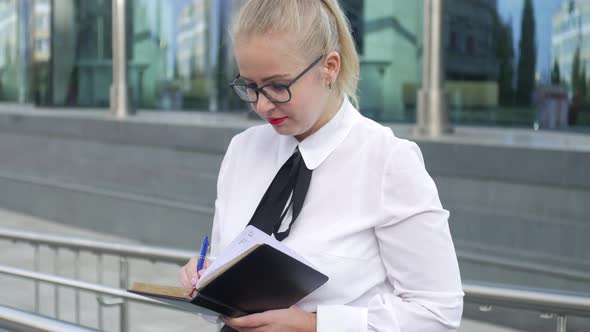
(286, 131)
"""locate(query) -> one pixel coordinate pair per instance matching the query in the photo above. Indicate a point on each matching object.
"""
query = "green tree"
(582, 82)
(556, 73)
(505, 56)
(527, 55)
(575, 74)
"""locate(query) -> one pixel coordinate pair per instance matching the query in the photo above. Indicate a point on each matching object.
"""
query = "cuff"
(211, 319)
(341, 318)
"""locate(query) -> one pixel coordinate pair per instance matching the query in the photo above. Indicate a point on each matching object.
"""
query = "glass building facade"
(502, 57)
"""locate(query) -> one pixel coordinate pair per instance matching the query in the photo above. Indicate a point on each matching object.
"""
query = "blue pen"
(204, 247)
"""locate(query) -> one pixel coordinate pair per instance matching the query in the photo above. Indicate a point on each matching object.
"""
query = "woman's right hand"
(187, 276)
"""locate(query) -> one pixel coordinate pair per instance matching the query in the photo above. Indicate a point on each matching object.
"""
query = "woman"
(361, 207)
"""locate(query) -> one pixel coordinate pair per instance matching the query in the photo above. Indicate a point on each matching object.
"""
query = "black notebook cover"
(265, 279)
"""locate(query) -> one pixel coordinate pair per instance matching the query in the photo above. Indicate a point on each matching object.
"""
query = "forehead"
(265, 55)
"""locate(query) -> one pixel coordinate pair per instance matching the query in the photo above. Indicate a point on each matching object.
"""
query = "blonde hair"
(319, 27)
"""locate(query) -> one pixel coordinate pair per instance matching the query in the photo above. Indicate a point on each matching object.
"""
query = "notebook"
(254, 273)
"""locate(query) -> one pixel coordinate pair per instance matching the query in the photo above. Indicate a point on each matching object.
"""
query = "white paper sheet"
(248, 238)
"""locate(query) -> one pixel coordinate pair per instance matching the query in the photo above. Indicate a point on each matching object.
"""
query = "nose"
(263, 105)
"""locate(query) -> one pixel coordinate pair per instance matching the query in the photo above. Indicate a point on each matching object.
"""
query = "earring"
(330, 86)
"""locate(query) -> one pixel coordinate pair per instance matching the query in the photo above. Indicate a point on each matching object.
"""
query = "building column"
(214, 40)
(24, 58)
(119, 97)
(432, 114)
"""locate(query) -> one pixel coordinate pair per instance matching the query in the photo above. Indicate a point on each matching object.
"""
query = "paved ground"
(145, 318)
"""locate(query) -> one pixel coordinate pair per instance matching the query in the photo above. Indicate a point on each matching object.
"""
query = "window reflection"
(508, 63)
(10, 75)
(181, 56)
(517, 63)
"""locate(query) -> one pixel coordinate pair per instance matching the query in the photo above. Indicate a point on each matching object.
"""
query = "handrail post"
(124, 284)
(56, 287)
(99, 281)
(37, 286)
(77, 277)
(561, 323)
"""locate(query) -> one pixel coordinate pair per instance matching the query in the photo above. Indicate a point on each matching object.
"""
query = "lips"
(276, 121)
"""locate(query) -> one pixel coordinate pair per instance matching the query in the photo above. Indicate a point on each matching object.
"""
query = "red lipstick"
(276, 121)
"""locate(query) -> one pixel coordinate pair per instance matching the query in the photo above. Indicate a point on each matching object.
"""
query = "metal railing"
(124, 252)
(76, 284)
(10, 317)
(546, 302)
(550, 303)
(13, 319)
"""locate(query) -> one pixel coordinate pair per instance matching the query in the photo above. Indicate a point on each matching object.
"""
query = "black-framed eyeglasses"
(275, 92)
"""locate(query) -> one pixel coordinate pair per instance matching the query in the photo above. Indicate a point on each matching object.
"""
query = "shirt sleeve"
(215, 231)
(418, 255)
(219, 201)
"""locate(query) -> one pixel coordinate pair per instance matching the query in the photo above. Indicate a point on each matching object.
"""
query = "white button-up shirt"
(372, 221)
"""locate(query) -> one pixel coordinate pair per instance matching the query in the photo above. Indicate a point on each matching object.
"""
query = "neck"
(332, 106)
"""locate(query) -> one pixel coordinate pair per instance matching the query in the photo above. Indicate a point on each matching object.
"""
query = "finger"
(243, 323)
(191, 277)
(184, 278)
(187, 274)
(255, 329)
(250, 321)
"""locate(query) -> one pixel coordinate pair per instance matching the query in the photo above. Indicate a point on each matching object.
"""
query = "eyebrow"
(266, 78)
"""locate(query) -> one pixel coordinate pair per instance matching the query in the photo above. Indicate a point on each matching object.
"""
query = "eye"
(276, 87)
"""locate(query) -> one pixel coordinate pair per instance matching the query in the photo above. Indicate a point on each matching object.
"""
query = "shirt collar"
(319, 145)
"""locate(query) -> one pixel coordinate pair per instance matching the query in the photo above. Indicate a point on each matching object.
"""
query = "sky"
(544, 9)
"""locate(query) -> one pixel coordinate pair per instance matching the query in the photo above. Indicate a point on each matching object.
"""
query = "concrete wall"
(513, 209)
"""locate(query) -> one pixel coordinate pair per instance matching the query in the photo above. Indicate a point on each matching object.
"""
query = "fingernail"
(194, 281)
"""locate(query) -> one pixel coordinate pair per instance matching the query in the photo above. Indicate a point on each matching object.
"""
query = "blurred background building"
(571, 35)
(59, 54)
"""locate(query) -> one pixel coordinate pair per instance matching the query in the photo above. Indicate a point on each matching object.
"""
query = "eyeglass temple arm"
(306, 70)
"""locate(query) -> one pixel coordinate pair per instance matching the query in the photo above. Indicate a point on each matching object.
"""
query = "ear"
(331, 67)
